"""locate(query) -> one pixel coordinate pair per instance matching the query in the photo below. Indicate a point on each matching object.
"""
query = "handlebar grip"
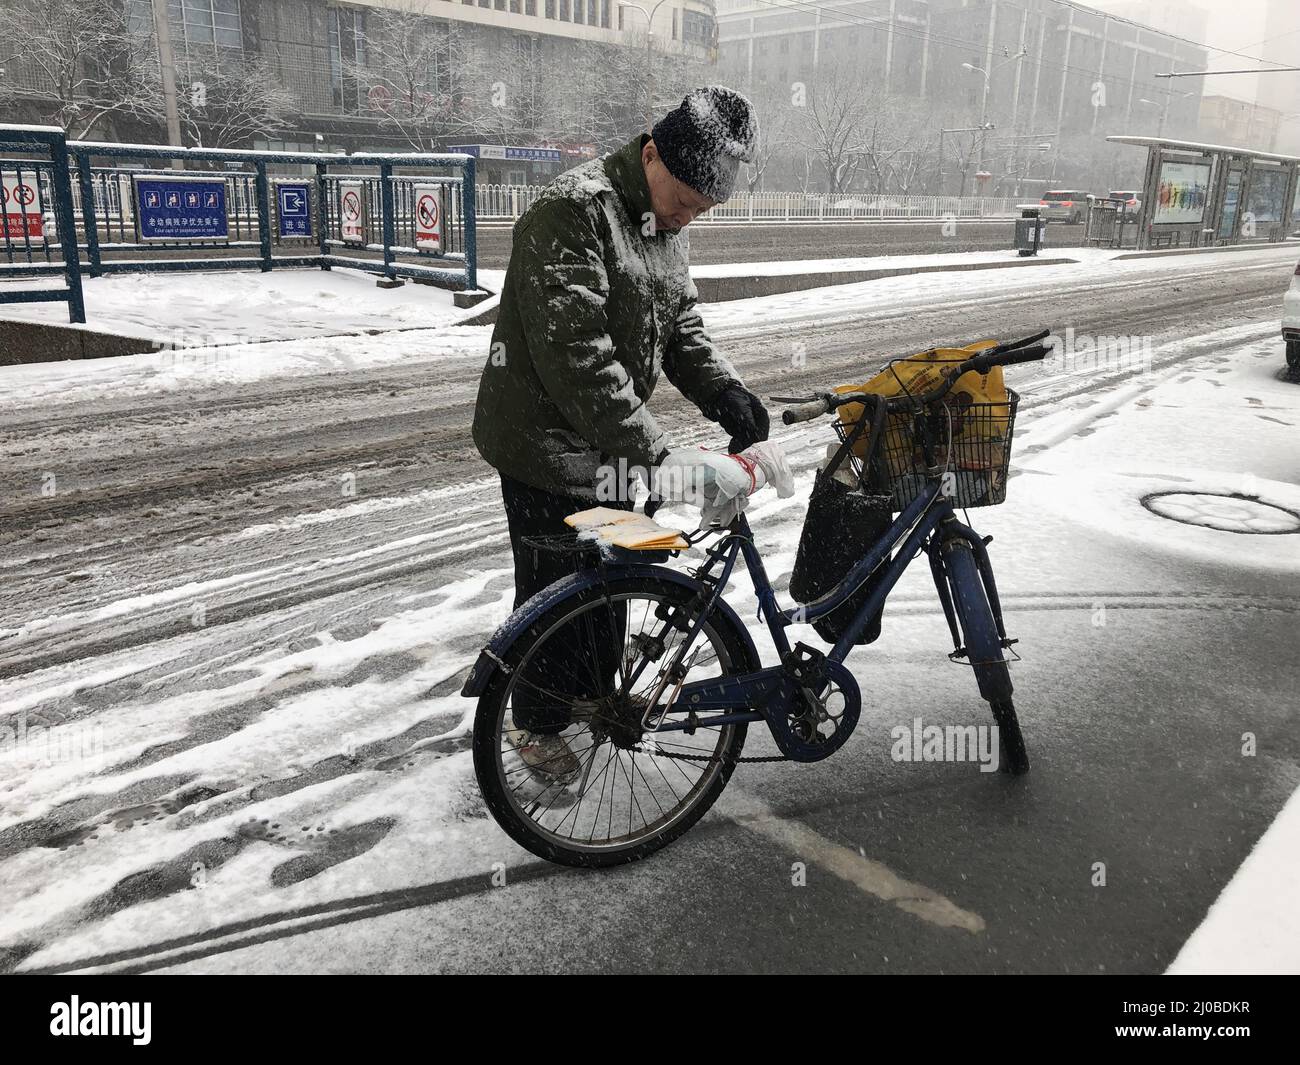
(1014, 345)
(1034, 354)
(804, 412)
(984, 363)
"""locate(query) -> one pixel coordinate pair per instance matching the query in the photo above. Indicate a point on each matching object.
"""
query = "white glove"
(720, 484)
(776, 468)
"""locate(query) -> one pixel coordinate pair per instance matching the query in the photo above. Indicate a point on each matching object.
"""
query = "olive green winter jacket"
(595, 303)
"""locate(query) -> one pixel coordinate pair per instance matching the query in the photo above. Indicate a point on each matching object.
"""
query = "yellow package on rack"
(918, 374)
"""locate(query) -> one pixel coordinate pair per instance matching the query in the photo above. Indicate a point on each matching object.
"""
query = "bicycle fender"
(491, 658)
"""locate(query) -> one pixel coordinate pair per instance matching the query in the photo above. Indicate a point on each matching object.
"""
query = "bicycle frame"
(781, 692)
(915, 527)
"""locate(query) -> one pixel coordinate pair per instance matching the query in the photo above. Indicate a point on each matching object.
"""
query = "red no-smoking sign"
(352, 226)
(21, 218)
(428, 218)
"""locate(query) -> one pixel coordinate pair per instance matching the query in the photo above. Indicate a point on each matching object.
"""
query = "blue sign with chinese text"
(181, 208)
(293, 208)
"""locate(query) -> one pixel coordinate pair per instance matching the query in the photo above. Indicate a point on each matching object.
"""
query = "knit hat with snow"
(704, 141)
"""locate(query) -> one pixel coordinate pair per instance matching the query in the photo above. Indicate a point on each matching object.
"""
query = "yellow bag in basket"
(976, 446)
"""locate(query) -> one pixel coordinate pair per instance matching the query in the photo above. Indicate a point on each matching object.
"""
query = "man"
(597, 300)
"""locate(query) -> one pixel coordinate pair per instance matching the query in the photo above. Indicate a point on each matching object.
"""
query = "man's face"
(674, 203)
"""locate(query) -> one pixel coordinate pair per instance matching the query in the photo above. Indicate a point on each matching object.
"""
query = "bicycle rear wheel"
(983, 645)
(592, 662)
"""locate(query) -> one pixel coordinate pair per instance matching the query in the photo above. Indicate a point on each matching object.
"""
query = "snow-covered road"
(255, 576)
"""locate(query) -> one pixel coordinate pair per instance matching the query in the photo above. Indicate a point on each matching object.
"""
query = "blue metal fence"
(131, 207)
(38, 178)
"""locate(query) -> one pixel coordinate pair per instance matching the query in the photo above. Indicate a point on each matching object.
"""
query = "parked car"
(1065, 205)
(1132, 203)
(1291, 325)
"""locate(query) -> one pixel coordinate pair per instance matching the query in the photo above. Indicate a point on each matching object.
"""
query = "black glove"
(653, 502)
(740, 413)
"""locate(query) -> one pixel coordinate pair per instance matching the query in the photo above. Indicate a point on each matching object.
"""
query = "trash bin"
(1031, 229)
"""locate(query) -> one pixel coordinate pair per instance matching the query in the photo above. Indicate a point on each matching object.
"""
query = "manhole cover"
(1227, 513)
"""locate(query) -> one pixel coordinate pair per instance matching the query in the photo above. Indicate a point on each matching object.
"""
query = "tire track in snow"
(238, 598)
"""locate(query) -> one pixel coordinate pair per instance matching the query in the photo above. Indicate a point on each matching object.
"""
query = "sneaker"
(548, 757)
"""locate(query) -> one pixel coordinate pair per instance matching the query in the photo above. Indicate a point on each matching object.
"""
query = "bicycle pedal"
(806, 664)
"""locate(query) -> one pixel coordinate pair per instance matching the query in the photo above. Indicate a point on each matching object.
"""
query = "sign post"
(352, 223)
(428, 218)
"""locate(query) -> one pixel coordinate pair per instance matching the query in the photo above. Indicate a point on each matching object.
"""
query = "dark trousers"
(579, 661)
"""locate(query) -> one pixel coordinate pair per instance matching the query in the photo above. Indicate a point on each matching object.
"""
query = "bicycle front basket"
(971, 444)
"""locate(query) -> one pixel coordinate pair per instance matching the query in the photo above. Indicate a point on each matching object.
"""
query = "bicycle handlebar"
(1011, 358)
(825, 402)
(810, 409)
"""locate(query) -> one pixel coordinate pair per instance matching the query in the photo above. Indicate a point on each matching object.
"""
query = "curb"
(747, 286)
(22, 343)
(1160, 253)
(740, 287)
(484, 313)
(918, 220)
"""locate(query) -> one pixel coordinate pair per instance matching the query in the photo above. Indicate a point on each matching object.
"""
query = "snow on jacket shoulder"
(595, 304)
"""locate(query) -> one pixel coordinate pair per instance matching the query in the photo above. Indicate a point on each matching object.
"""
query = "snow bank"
(1178, 429)
(204, 308)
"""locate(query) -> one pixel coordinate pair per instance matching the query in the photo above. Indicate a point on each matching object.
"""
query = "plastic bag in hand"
(720, 484)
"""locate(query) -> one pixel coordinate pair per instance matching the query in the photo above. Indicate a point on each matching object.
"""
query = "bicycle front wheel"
(560, 753)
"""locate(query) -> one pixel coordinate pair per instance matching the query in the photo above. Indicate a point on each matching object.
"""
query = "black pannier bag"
(842, 524)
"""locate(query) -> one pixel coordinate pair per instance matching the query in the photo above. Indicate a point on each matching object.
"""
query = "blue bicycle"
(648, 680)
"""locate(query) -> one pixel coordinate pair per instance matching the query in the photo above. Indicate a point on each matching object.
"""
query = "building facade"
(346, 68)
(1282, 91)
(1040, 71)
(1235, 123)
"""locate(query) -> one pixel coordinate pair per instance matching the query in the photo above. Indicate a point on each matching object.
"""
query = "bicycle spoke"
(667, 783)
(582, 792)
(649, 786)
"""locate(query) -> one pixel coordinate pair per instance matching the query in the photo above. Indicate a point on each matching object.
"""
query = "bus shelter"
(1203, 195)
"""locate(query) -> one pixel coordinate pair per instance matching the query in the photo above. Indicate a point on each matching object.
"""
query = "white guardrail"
(508, 202)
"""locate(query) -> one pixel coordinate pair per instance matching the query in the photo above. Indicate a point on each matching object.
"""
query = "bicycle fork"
(979, 548)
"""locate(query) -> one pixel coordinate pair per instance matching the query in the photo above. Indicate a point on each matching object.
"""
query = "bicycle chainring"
(812, 720)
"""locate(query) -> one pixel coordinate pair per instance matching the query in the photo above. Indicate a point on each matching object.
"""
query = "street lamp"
(649, 52)
(984, 103)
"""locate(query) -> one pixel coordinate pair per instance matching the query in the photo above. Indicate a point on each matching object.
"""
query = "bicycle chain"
(709, 757)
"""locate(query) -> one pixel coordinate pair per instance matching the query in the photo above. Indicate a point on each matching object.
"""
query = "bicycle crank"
(816, 707)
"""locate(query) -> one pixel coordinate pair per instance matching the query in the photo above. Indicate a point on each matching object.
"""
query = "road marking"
(1253, 927)
(867, 875)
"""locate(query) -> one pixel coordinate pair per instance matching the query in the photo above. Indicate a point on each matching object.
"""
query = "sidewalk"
(1225, 426)
(218, 308)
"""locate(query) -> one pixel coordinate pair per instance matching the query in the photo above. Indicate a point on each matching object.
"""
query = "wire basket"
(970, 443)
